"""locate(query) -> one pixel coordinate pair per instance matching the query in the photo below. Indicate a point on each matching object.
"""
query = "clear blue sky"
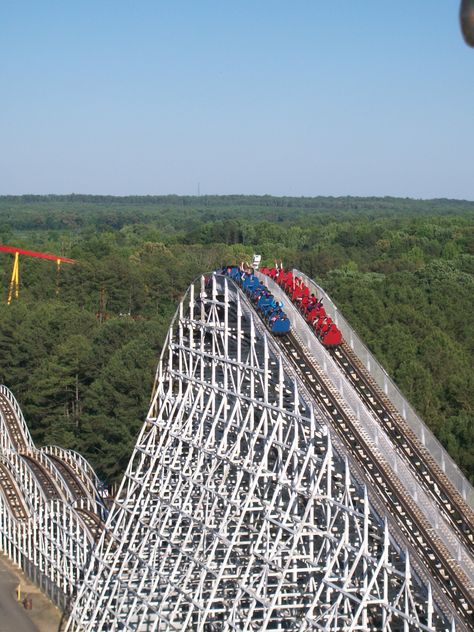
(294, 97)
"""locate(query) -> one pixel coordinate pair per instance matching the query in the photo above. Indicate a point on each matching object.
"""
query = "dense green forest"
(401, 271)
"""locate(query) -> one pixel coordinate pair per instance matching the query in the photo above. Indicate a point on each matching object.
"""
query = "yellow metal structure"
(58, 270)
(14, 290)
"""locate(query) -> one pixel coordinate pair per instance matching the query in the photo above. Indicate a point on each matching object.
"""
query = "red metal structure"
(14, 289)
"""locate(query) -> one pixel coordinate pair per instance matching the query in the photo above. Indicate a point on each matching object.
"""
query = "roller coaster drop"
(273, 486)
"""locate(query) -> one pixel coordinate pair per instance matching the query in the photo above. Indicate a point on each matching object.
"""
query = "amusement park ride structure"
(274, 485)
(14, 288)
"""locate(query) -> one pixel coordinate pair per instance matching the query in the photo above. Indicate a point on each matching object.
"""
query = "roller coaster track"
(452, 506)
(448, 499)
(446, 496)
(73, 481)
(57, 478)
(78, 467)
(51, 505)
(92, 521)
(439, 476)
(417, 529)
(45, 480)
(15, 430)
(12, 494)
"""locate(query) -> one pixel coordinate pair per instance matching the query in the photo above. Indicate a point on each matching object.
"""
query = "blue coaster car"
(250, 284)
(281, 326)
(269, 308)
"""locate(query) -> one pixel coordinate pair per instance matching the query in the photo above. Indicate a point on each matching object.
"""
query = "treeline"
(82, 361)
(77, 212)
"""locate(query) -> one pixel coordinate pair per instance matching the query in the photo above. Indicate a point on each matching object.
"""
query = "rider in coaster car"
(319, 323)
(325, 326)
(333, 336)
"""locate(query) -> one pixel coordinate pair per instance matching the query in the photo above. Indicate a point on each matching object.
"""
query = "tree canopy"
(400, 270)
